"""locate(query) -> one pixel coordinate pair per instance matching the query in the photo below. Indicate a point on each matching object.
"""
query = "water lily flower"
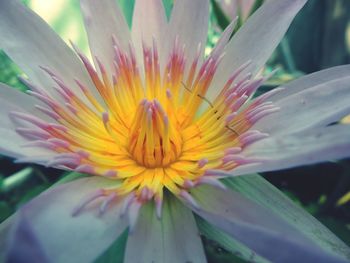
(157, 126)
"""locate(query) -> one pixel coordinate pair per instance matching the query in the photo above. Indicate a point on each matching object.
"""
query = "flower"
(157, 126)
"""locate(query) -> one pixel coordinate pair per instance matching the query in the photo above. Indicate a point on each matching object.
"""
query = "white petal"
(31, 43)
(174, 238)
(309, 147)
(81, 238)
(149, 22)
(259, 228)
(256, 40)
(103, 20)
(312, 101)
(189, 21)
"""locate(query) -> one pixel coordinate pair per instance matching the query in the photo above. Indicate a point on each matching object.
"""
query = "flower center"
(145, 131)
(154, 137)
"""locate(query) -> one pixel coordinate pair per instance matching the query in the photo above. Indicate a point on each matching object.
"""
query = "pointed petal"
(224, 39)
(31, 43)
(259, 228)
(256, 188)
(256, 40)
(311, 101)
(173, 238)
(189, 21)
(80, 238)
(309, 147)
(149, 22)
(104, 20)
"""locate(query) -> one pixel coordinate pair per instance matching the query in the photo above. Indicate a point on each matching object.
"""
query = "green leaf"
(262, 192)
(127, 7)
(236, 248)
(168, 5)
(221, 18)
(115, 253)
(5, 210)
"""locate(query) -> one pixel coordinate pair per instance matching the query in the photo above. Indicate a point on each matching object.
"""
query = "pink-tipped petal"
(188, 22)
(103, 20)
(149, 23)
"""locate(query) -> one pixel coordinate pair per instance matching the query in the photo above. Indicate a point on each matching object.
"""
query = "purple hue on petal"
(260, 229)
(103, 21)
(81, 238)
(312, 101)
(23, 245)
(5, 229)
(257, 39)
(31, 43)
(172, 238)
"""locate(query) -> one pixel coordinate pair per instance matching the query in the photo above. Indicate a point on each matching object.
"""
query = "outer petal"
(312, 101)
(285, 151)
(23, 240)
(30, 42)
(256, 188)
(174, 238)
(258, 228)
(257, 39)
(10, 141)
(65, 238)
(149, 22)
(103, 20)
(189, 22)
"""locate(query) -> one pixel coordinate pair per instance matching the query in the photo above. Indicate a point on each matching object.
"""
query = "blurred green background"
(318, 38)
